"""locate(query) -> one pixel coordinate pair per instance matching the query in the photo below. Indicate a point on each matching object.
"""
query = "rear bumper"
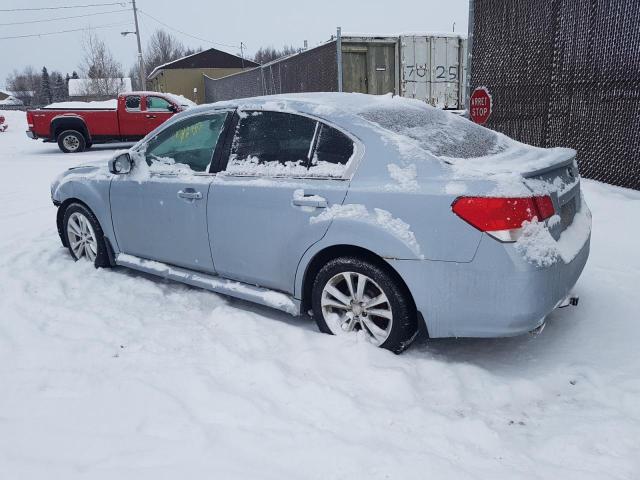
(31, 135)
(498, 294)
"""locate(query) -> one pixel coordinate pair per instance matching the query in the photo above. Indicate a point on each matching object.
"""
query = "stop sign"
(480, 105)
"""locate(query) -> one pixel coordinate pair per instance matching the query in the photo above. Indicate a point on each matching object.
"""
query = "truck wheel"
(350, 295)
(71, 141)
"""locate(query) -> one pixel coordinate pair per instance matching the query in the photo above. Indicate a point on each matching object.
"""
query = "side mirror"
(173, 108)
(121, 164)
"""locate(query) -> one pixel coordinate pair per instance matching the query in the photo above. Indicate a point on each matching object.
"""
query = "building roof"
(10, 100)
(79, 86)
(211, 58)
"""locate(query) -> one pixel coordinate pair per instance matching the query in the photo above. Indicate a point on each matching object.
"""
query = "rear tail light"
(501, 217)
(30, 119)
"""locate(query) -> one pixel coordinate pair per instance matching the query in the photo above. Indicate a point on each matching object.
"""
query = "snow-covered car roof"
(416, 128)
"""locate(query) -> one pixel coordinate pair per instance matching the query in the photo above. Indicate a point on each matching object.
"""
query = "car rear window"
(332, 146)
(440, 133)
(273, 137)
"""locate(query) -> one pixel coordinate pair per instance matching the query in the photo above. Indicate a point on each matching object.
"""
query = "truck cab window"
(158, 104)
(132, 103)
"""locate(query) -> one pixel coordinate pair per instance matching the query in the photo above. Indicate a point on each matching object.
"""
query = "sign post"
(480, 105)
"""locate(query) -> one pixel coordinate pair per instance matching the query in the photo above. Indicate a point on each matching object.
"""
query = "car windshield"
(443, 134)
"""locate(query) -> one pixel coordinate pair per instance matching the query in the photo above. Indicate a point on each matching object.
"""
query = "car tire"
(72, 141)
(84, 236)
(382, 308)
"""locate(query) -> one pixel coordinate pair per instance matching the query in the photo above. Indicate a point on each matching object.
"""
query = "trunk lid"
(562, 182)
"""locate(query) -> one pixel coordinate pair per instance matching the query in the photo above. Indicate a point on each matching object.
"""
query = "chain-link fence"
(314, 70)
(565, 73)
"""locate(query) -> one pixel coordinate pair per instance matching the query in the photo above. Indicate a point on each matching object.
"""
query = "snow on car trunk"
(112, 374)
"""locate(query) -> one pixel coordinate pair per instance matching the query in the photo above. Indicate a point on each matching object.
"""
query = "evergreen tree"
(60, 92)
(46, 95)
(75, 75)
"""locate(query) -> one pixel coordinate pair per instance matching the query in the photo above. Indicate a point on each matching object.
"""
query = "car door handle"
(190, 194)
(150, 116)
(308, 200)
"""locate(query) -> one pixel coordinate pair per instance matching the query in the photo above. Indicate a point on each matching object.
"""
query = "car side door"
(276, 180)
(158, 111)
(159, 209)
(131, 117)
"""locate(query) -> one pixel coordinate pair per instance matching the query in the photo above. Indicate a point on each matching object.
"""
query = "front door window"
(187, 146)
(158, 104)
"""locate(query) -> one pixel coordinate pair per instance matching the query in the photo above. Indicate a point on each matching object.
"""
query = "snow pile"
(455, 188)
(98, 105)
(405, 178)
(111, 374)
(180, 100)
(380, 218)
(169, 165)
(253, 166)
(538, 247)
(536, 244)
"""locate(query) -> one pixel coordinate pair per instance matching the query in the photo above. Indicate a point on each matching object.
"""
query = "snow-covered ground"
(110, 374)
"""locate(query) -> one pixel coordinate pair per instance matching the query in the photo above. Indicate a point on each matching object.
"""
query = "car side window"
(158, 104)
(132, 103)
(186, 146)
(271, 144)
(332, 146)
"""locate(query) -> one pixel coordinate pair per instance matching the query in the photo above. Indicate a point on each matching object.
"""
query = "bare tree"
(268, 54)
(100, 67)
(25, 85)
(161, 48)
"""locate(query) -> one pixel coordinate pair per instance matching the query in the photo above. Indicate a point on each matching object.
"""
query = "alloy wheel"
(354, 302)
(82, 238)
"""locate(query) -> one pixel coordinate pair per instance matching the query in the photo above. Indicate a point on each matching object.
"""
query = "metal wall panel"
(564, 73)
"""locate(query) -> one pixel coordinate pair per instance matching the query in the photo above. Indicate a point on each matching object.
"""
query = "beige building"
(185, 76)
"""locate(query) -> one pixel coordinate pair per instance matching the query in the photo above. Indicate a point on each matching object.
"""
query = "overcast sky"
(256, 23)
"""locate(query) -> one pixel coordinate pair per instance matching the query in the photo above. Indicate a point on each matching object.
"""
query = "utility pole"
(143, 74)
(242, 53)
(339, 56)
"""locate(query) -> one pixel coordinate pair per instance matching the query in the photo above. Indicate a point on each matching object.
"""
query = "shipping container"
(433, 69)
(428, 67)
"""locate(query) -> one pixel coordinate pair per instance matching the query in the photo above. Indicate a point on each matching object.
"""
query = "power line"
(62, 18)
(185, 33)
(122, 4)
(65, 31)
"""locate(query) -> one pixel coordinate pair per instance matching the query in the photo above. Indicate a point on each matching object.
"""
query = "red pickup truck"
(75, 126)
